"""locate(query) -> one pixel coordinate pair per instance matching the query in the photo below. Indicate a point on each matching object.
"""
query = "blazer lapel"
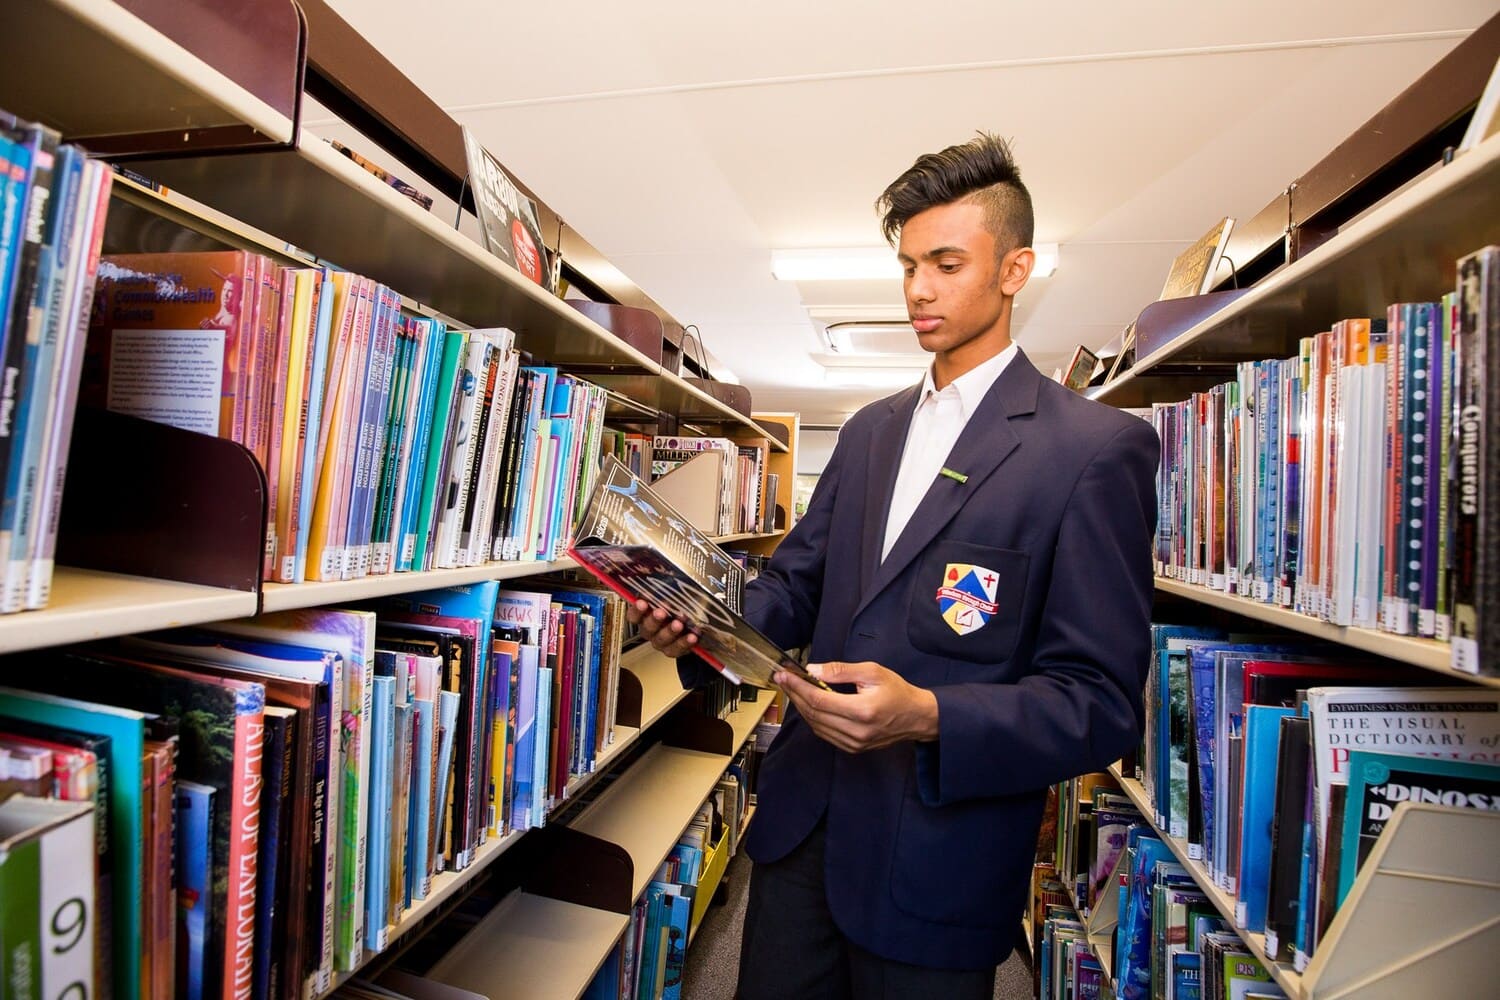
(888, 439)
(987, 440)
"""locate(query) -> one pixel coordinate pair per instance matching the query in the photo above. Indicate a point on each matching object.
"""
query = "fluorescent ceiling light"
(852, 264)
(872, 378)
(1046, 260)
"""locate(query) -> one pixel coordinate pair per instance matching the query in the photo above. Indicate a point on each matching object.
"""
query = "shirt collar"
(973, 385)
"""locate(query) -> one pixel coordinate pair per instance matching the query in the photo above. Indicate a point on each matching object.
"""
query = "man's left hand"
(884, 709)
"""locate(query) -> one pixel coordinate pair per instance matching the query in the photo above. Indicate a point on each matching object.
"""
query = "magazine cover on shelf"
(507, 218)
(1194, 269)
(643, 549)
(1080, 370)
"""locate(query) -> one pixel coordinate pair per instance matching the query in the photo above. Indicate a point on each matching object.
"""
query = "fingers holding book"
(668, 635)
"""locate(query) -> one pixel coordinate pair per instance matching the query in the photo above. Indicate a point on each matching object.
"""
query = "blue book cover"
(377, 843)
(434, 336)
(320, 347)
(12, 217)
(499, 718)
(373, 427)
(1133, 971)
(14, 165)
(1185, 970)
(1201, 678)
(526, 740)
(34, 392)
(126, 731)
(1262, 729)
(542, 755)
(195, 811)
(468, 600)
(679, 911)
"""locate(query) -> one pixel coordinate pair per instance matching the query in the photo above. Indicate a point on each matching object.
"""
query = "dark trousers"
(792, 948)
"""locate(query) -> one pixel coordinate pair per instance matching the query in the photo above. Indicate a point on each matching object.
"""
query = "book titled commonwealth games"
(644, 550)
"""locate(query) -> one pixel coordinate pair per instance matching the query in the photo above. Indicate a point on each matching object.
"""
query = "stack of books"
(391, 443)
(274, 794)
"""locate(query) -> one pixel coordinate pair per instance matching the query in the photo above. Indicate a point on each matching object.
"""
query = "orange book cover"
(324, 560)
(167, 338)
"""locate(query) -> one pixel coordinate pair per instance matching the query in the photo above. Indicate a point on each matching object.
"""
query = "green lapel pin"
(957, 477)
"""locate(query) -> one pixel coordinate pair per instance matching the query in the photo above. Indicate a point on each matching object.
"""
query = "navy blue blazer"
(1038, 665)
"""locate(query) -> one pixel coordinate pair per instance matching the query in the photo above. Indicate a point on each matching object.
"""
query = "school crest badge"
(967, 597)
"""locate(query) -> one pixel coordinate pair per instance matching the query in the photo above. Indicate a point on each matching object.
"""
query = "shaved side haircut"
(981, 170)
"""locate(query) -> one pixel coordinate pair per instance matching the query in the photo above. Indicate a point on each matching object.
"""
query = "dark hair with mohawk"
(981, 170)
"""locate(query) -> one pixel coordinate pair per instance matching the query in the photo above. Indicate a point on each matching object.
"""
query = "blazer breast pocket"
(965, 601)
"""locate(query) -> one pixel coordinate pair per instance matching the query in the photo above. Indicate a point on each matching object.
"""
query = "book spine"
(357, 383)
(379, 840)
(308, 447)
(293, 386)
(348, 948)
(446, 409)
(277, 766)
(60, 432)
(395, 438)
(433, 338)
(1443, 619)
(276, 411)
(34, 217)
(61, 257)
(1474, 274)
(419, 879)
(239, 948)
(377, 409)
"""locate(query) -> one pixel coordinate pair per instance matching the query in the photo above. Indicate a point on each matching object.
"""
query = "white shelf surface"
(649, 806)
(1429, 654)
(1286, 977)
(324, 203)
(744, 719)
(534, 947)
(89, 604)
(314, 594)
(444, 886)
(1403, 250)
(91, 67)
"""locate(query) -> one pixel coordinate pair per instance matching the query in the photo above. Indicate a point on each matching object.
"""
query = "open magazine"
(642, 549)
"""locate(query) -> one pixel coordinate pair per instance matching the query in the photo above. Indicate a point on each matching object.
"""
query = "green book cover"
(126, 731)
(20, 916)
(455, 346)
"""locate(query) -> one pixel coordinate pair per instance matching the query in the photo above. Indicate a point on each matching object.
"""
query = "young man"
(973, 573)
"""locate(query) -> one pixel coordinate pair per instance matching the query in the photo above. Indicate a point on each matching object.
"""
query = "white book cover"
(1371, 500)
(1457, 723)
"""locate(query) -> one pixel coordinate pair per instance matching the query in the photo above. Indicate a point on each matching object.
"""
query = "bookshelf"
(314, 594)
(123, 75)
(537, 945)
(1429, 654)
(327, 205)
(1401, 251)
(1286, 977)
(291, 199)
(1417, 926)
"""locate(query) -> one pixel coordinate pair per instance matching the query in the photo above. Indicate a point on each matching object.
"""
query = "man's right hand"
(667, 634)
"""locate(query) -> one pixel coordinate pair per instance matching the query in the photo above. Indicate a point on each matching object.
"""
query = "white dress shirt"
(935, 426)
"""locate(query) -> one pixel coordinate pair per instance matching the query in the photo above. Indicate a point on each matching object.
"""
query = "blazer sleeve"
(1080, 707)
(783, 600)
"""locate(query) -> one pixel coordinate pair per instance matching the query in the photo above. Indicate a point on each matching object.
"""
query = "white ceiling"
(687, 140)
